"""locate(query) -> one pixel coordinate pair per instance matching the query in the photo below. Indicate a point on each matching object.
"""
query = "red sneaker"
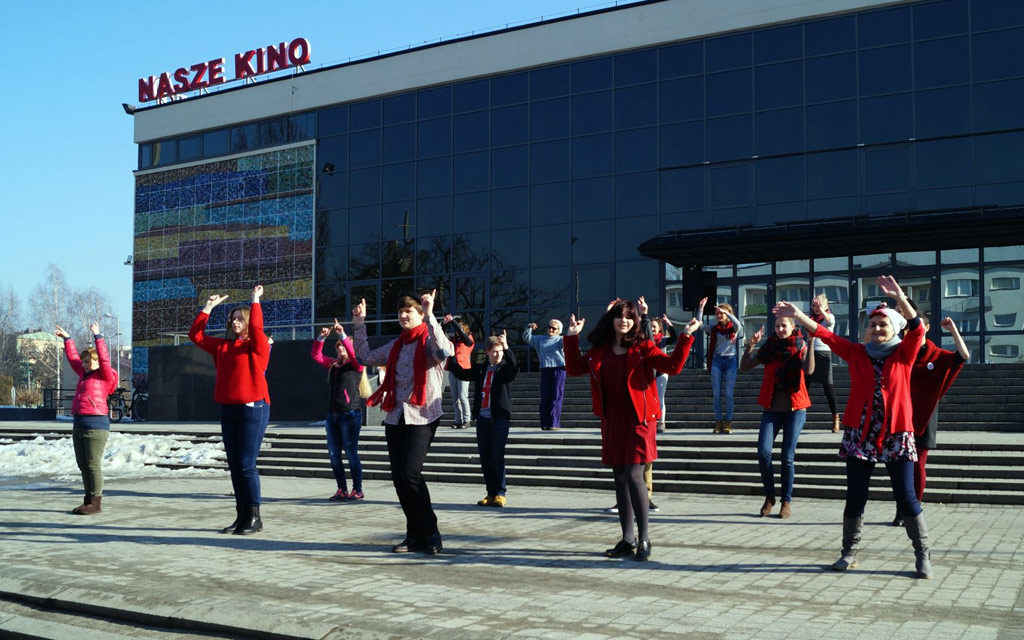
(355, 495)
(339, 495)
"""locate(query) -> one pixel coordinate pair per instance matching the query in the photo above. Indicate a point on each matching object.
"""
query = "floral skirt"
(895, 447)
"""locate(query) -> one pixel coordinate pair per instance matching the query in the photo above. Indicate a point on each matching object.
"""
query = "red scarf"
(386, 392)
(727, 330)
(819, 317)
(785, 351)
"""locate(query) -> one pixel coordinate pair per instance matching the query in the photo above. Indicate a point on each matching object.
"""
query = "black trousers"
(407, 450)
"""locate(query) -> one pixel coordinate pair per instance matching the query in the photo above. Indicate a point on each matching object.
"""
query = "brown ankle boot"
(835, 423)
(766, 508)
(785, 511)
(727, 426)
(89, 509)
(718, 427)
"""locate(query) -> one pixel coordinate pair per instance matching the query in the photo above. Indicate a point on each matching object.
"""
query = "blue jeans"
(662, 382)
(343, 434)
(858, 480)
(460, 398)
(723, 366)
(491, 438)
(791, 423)
(242, 428)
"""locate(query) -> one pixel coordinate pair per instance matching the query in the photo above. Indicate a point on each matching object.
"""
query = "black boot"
(238, 519)
(898, 520)
(250, 522)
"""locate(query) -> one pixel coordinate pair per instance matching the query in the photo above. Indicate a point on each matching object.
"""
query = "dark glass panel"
(683, 189)
(729, 186)
(510, 125)
(433, 137)
(471, 251)
(433, 255)
(398, 258)
(682, 143)
(364, 261)
(472, 95)
(885, 70)
(510, 208)
(943, 111)
(472, 171)
(509, 289)
(549, 119)
(434, 102)
(400, 108)
(730, 138)
(273, 132)
(472, 131)
(591, 156)
(1003, 194)
(399, 181)
(630, 233)
(887, 169)
(332, 191)
(834, 173)
(780, 179)
(728, 52)
(888, 26)
(886, 119)
(189, 148)
(779, 85)
(636, 150)
(549, 203)
(332, 151)
(636, 67)
(364, 224)
(549, 161)
(831, 77)
(391, 291)
(780, 43)
(332, 228)
(593, 285)
(685, 59)
(470, 292)
(935, 19)
(779, 131)
(685, 220)
(943, 198)
(509, 166)
(549, 246)
(331, 301)
(217, 143)
(549, 288)
(302, 127)
(332, 121)
(510, 89)
(472, 211)
(549, 82)
(639, 278)
(364, 148)
(941, 62)
(636, 106)
(997, 105)
(997, 157)
(995, 14)
(942, 163)
(593, 242)
(364, 186)
(592, 112)
(998, 55)
(244, 138)
(591, 74)
(145, 156)
(636, 193)
(435, 215)
(829, 36)
(510, 248)
(399, 143)
(434, 177)
(886, 203)
(681, 99)
(729, 92)
(833, 207)
(765, 214)
(364, 115)
(833, 124)
(593, 199)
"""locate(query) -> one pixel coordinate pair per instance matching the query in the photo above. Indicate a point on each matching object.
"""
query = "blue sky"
(66, 156)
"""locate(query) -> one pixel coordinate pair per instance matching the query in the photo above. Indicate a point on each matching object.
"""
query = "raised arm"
(439, 347)
(749, 359)
(808, 355)
(673, 364)
(70, 351)
(260, 344)
(197, 333)
(575, 362)
(317, 351)
(102, 352)
(528, 333)
(460, 335)
(958, 340)
(379, 356)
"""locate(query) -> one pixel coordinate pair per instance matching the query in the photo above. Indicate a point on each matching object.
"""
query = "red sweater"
(797, 399)
(240, 364)
(933, 374)
(642, 361)
(895, 382)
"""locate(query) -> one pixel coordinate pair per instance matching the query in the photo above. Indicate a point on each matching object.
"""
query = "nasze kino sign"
(211, 72)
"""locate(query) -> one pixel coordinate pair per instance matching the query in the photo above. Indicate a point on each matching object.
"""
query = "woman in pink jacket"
(96, 381)
(344, 409)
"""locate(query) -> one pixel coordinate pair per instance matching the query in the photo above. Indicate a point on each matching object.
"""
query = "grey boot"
(851, 540)
(917, 531)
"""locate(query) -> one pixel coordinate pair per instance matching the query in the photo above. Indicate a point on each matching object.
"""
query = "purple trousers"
(552, 390)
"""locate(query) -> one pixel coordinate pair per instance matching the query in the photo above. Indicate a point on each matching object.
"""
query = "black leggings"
(830, 396)
(858, 481)
(631, 496)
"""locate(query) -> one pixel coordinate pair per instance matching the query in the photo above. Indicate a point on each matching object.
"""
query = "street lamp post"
(117, 342)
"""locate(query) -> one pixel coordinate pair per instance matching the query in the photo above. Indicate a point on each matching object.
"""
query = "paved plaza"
(532, 570)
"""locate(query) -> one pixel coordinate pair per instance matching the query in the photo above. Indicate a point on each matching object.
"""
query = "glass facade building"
(526, 194)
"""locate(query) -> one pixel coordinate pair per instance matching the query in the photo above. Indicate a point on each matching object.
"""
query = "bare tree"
(48, 306)
(10, 319)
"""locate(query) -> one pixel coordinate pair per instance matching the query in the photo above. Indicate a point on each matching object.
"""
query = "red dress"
(625, 439)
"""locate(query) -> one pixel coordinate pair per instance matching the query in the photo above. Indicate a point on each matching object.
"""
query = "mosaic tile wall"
(221, 227)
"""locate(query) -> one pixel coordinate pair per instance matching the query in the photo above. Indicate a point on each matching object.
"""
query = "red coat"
(92, 390)
(797, 399)
(933, 374)
(240, 364)
(895, 383)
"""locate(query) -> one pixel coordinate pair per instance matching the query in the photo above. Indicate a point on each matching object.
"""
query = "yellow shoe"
(486, 502)
(727, 427)
(498, 501)
(718, 427)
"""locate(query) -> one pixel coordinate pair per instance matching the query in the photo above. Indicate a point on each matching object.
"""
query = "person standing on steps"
(878, 421)
(723, 362)
(96, 380)
(821, 314)
(622, 366)
(462, 338)
(786, 359)
(552, 372)
(240, 387)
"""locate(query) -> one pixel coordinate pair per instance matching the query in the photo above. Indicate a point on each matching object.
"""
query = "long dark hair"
(604, 332)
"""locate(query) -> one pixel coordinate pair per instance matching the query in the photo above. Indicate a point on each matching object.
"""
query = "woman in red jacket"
(240, 387)
(96, 381)
(878, 423)
(622, 367)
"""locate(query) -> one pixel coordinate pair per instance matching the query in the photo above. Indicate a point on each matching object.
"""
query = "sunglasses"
(552, 328)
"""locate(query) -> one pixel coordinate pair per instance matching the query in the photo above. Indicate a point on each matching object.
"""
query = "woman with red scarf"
(622, 365)
(878, 421)
(411, 399)
(786, 360)
(821, 314)
(722, 360)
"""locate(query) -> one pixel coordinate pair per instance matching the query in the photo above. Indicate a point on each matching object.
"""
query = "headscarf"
(884, 350)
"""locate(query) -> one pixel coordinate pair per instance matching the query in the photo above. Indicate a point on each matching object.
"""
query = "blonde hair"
(89, 353)
(822, 298)
(727, 307)
(245, 316)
